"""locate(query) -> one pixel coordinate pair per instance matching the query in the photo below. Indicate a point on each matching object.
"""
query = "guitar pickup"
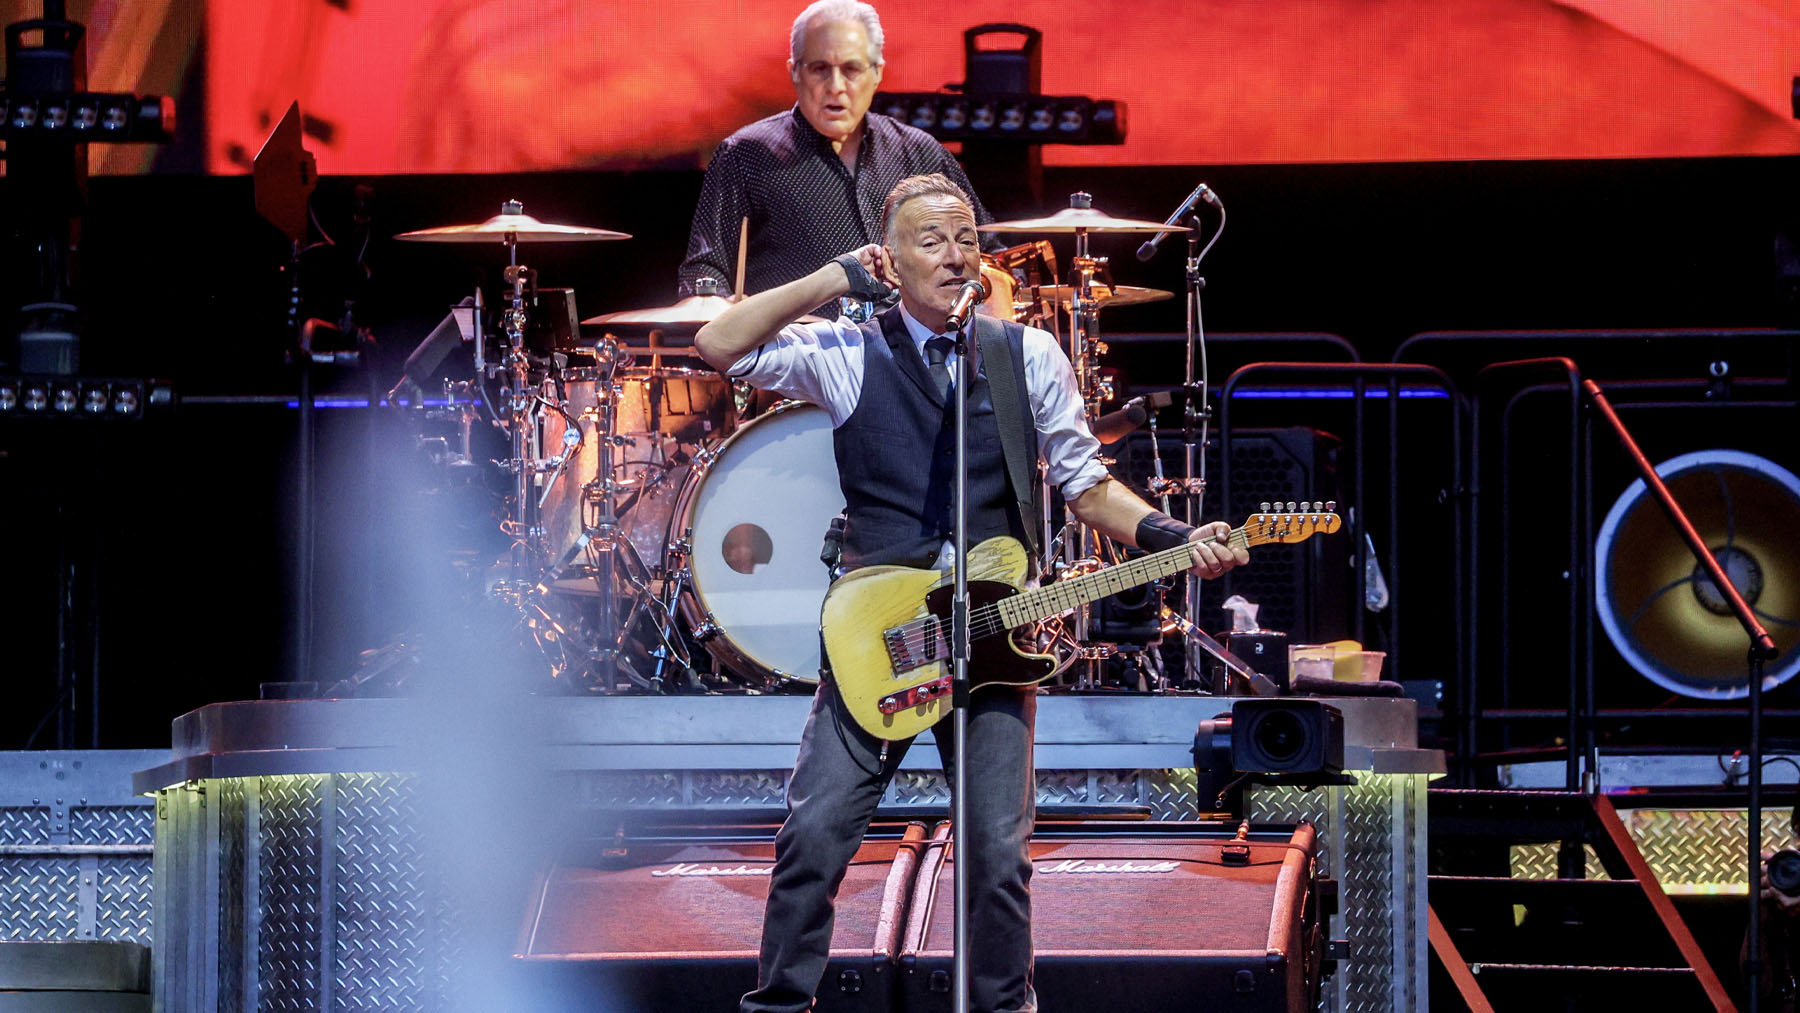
(907, 653)
(924, 692)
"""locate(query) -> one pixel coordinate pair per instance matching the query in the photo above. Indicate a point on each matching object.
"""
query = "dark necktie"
(936, 351)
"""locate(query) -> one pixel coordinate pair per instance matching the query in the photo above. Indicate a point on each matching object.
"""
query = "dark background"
(187, 519)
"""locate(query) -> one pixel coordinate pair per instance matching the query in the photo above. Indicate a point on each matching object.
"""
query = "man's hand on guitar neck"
(1114, 510)
(1213, 553)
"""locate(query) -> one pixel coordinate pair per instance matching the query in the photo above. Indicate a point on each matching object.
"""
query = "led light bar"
(1026, 119)
(89, 116)
(82, 397)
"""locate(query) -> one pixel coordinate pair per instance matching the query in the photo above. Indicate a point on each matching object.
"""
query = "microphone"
(1201, 193)
(967, 297)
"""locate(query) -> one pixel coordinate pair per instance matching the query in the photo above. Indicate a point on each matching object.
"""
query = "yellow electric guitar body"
(887, 628)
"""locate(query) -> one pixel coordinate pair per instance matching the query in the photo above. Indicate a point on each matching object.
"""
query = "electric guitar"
(888, 631)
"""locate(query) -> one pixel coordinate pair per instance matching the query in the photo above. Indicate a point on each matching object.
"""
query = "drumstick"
(743, 252)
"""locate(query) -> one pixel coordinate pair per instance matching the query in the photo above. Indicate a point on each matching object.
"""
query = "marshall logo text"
(1082, 865)
(694, 869)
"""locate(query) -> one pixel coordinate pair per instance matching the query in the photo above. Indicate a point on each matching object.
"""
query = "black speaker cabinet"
(1144, 917)
(1300, 588)
(675, 924)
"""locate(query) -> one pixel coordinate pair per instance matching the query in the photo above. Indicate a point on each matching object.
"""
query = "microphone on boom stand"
(1201, 193)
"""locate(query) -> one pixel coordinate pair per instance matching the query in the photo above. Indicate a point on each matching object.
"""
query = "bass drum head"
(755, 520)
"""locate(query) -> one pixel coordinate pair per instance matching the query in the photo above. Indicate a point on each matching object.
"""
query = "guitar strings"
(986, 620)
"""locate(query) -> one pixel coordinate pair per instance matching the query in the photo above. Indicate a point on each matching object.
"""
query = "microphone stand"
(1762, 648)
(959, 677)
(1194, 412)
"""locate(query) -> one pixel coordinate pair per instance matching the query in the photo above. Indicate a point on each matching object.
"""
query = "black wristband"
(863, 285)
(1158, 531)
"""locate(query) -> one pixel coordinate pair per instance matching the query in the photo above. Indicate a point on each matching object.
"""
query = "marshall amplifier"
(675, 923)
(1144, 917)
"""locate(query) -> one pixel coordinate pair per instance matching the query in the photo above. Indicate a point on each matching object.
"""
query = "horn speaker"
(1662, 612)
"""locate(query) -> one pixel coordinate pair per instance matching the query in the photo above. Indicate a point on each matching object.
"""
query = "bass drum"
(753, 518)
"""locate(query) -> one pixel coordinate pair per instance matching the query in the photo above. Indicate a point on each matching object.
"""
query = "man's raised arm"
(747, 324)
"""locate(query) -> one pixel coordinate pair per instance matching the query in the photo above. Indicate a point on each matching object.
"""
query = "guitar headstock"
(1288, 523)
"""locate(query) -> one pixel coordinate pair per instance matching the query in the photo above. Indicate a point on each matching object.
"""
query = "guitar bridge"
(907, 650)
(925, 692)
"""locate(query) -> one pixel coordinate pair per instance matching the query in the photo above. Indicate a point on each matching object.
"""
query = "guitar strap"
(1003, 353)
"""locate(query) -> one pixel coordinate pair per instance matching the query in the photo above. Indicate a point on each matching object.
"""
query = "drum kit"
(655, 518)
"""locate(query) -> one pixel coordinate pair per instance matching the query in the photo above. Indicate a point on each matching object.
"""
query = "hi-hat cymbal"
(512, 224)
(1106, 295)
(1080, 220)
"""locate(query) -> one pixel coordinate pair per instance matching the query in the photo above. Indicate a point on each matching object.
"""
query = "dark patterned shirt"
(804, 206)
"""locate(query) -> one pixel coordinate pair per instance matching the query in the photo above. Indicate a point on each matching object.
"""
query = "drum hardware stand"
(1083, 543)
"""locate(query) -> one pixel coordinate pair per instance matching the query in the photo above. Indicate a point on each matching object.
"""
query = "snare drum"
(665, 416)
(752, 519)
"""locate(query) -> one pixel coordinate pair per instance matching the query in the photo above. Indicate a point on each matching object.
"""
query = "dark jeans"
(836, 786)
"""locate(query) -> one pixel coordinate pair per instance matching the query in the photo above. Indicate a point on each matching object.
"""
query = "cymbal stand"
(519, 398)
(602, 538)
(1082, 544)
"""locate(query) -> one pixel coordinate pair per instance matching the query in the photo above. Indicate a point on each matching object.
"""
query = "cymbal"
(1106, 295)
(1080, 220)
(695, 309)
(505, 227)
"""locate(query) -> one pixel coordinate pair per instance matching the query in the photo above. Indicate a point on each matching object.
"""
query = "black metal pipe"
(1572, 575)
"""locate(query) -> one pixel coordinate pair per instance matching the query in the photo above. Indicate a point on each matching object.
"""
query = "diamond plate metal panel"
(122, 898)
(1368, 893)
(232, 803)
(39, 898)
(745, 788)
(1117, 787)
(918, 787)
(288, 952)
(1062, 787)
(25, 825)
(1538, 861)
(112, 824)
(629, 788)
(1171, 794)
(378, 962)
(1692, 851)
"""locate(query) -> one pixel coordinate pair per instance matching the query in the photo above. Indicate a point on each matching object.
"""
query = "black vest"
(896, 455)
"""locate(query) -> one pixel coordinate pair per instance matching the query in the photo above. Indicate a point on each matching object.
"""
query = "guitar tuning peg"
(1330, 505)
(1306, 506)
(1291, 505)
(1264, 508)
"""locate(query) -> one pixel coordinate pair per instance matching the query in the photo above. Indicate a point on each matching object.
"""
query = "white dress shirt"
(823, 363)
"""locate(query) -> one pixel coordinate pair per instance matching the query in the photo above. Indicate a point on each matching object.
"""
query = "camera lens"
(1280, 737)
(1784, 871)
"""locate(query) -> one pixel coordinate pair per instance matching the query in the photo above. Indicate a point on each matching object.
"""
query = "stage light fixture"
(82, 397)
(1033, 119)
(91, 116)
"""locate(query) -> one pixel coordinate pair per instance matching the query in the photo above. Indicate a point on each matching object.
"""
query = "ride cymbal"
(512, 225)
(1080, 220)
(1106, 295)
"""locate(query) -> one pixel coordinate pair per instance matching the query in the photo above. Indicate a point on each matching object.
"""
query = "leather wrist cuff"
(1158, 531)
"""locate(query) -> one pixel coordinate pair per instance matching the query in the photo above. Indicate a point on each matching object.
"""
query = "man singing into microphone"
(886, 384)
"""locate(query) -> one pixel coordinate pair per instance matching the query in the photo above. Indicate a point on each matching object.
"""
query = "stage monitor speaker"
(676, 924)
(1301, 588)
(1662, 612)
(1144, 917)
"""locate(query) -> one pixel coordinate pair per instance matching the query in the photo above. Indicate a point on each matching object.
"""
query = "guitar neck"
(1043, 602)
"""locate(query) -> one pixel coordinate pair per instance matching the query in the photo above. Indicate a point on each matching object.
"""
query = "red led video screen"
(507, 85)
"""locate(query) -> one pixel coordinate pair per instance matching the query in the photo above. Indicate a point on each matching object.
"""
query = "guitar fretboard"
(1031, 606)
